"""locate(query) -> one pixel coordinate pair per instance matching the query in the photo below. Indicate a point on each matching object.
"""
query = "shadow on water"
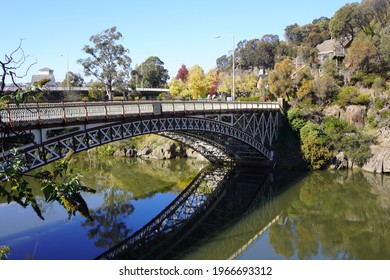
(218, 198)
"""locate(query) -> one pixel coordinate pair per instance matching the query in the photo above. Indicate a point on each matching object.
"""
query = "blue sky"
(178, 32)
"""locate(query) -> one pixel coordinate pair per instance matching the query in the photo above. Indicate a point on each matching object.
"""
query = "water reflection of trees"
(108, 226)
(141, 177)
(123, 180)
(339, 216)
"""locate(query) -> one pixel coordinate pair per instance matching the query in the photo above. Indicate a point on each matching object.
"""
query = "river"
(258, 214)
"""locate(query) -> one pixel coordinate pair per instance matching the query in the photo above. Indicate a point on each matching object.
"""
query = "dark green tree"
(74, 80)
(343, 24)
(151, 73)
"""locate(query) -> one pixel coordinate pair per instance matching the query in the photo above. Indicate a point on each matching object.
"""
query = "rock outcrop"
(380, 160)
(355, 115)
(168, 150)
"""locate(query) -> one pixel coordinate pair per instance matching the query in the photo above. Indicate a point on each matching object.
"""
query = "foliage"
(362, 55)
(245, 84)
(74, 80)
(296, 119)
(310, 34)
(306, 89)
(57, 185)
(182, 73)
(108, 61)
(178, 88)
(250, 98)
(325, 88)
(346, 94)
(152, 73)
(280, 83)
(4, 252)
(197, 83)
(343, 137)
(257, 53)
(343, 23)
(314, 149)
(356, 147)
(212, 81)
(96, 92)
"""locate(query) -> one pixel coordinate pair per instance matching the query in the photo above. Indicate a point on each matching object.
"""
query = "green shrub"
(335, 128)
(346, 94)
(371, 122)
(360, 99)
(357, 147)
(314, 146)
(250, 98)
(369, 79)
(379, 103)
(357, 77)
(296, 119)
(379, 83)
(4, 252)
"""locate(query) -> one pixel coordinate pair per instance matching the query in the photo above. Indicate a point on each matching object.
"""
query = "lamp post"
(233, 76)
(67, 72)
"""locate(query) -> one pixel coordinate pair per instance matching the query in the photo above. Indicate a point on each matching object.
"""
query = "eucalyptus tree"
(73, 80)
(108, 60)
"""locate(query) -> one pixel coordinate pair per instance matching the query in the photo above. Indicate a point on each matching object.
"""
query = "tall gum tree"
(108, 61)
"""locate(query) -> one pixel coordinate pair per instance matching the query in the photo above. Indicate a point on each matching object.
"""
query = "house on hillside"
(45, 73)
(333, 49)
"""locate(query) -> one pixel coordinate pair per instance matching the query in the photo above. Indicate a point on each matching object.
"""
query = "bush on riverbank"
(324, 138)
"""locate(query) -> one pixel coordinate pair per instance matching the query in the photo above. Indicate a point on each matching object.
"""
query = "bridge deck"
(56, 113)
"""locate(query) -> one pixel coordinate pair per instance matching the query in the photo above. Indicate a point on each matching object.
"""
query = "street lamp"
(233, 76)
(67, 72)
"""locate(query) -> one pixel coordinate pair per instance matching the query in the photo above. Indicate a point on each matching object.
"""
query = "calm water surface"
(321, 215)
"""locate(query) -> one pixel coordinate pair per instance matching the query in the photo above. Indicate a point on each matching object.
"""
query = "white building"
(45, 73)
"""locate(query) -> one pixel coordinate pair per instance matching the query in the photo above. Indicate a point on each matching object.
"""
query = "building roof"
(331, 45)
(326, 46)
(45, 69)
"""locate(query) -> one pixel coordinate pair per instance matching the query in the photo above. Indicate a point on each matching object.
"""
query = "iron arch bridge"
(220, 131)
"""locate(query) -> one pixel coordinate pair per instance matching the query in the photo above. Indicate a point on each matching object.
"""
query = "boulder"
(170, 150)
(335, 111)
(120, 153)
(131, 152)
(144, 152)
(355, 115)
(341, 162)
(380, 160)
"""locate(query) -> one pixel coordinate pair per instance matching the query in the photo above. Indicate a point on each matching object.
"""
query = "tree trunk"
(109, 93)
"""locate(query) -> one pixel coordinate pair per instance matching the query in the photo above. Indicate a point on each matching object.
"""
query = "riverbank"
(149, 147)
(343, 137)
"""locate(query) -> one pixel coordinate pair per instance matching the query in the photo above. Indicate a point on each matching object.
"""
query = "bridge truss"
(222, 132)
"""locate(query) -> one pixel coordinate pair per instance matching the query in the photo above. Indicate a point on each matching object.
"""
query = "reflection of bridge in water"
(218, 197)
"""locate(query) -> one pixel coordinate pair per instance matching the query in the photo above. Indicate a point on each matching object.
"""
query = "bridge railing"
(46, 113)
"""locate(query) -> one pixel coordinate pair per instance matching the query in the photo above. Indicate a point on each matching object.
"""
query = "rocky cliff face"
(353, 114)
(168, 150)
(357, 115)
(380, 160)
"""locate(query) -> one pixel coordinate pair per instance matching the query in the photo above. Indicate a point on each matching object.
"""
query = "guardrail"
(47, 113)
